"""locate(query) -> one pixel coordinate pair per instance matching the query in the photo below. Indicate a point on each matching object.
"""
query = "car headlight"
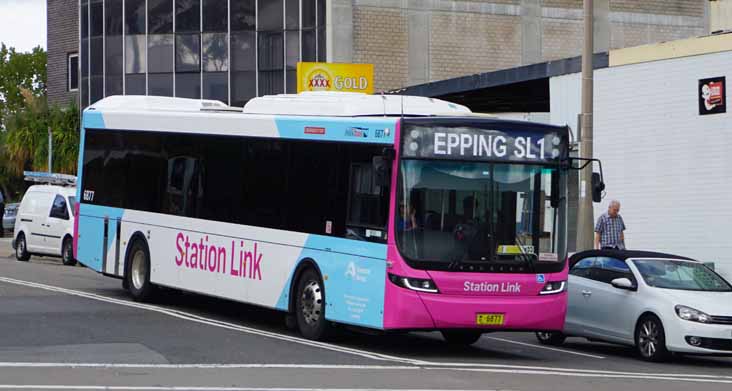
(415, 284)
(690, 314)
(552, 288)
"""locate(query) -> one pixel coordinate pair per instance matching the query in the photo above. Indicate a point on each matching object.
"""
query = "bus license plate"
(489, 319)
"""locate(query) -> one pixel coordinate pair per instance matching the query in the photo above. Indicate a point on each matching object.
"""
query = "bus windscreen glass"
(452, 212)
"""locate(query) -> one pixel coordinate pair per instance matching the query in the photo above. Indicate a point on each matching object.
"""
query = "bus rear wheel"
(464, 338)
(310, 307)
(138, 272)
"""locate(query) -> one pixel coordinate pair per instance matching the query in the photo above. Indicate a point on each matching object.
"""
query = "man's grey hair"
(614, 203)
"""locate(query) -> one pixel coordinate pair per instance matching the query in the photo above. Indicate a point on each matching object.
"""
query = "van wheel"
(67, 252)
(138, 272)
(650, 339)
(553, 338)
(310, 307)
(21, 249)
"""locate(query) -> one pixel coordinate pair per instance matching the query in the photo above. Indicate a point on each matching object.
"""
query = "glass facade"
(228, 50)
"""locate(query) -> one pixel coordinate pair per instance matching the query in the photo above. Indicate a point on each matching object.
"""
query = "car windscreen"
(72, 204)
(681, 275)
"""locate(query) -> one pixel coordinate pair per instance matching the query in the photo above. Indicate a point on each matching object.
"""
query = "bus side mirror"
(598, 186)
(554, 200)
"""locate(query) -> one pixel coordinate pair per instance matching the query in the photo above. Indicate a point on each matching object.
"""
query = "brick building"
(233, 50)
(63, 51)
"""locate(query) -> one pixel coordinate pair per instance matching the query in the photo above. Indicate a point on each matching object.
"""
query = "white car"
(44, 224)
(659, 303)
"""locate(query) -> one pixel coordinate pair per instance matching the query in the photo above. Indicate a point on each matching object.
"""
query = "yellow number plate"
(489, 319)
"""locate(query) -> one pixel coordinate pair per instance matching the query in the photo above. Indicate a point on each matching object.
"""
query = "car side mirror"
(598, 186)
(623, 283)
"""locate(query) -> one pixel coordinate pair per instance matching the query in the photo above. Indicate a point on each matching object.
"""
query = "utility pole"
(585, 218)
(50, 151)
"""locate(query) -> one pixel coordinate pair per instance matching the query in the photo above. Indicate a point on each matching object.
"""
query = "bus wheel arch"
(138, 269)
(303, 265)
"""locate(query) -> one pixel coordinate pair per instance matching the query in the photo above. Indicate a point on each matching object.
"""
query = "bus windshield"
(453, 212)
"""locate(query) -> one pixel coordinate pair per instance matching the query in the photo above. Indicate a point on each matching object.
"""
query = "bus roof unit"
(351, 104)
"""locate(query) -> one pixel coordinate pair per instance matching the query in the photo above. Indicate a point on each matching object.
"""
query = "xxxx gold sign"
(322, 76)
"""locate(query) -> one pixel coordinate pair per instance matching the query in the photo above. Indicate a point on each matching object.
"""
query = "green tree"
(20, 72)
(26, 138)
(22, 75)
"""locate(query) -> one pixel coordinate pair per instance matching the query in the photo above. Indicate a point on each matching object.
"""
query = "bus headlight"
(415, 284)
(552, 288)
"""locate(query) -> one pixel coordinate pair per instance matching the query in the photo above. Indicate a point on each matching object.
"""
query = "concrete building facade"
(417, 41)
(156, 44)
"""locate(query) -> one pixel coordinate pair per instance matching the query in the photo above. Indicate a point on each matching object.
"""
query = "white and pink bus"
(383, 212)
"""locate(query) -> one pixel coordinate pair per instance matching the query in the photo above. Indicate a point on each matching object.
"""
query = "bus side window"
(367, 204)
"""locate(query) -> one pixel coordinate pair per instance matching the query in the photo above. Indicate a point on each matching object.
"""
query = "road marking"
(200, 366)
(545, 347)
(642, 376)
(413, 363)
(213, 322)
(180, 388)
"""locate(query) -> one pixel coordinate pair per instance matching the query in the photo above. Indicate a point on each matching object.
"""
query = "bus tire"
(21, 248)
(461, 337)
(138, 272)
(310, 306)
(67, 252)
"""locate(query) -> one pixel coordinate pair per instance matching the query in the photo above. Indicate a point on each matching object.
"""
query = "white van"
(44, 224)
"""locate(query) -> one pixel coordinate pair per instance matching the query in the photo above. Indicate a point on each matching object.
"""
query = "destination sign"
(467, 143)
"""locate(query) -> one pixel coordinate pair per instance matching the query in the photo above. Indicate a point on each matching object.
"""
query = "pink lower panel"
(404, 309)
(520, 313)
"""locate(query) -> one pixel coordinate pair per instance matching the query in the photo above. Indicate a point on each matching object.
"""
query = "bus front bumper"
(416, 310)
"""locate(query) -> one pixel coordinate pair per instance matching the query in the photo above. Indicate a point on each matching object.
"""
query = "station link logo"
(242, 259)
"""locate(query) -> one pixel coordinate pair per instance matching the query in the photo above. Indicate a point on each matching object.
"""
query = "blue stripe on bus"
(91, 233)
(354, 284)
(91, 119)
(361, 130)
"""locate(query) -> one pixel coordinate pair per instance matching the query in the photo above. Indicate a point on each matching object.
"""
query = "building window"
(72, 72)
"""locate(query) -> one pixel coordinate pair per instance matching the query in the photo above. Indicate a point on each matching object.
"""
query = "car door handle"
(586, 293)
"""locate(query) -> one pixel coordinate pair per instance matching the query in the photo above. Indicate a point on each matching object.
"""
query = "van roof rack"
(50, 178)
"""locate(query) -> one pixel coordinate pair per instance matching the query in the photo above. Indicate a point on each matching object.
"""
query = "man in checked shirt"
(609, 228)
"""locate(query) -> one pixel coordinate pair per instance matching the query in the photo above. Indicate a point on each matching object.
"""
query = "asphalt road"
(68, 328)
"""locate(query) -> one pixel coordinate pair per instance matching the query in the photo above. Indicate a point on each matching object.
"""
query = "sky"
(23, 24)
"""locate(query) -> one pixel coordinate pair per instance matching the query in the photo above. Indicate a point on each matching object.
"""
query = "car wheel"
(310, 307)
(21, 249)
(463, 338)
(138, 272)
(553, 338)
(650, 339)
(67, 252)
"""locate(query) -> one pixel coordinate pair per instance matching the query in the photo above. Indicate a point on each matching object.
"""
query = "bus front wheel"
(138, 272)
(310, 306)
